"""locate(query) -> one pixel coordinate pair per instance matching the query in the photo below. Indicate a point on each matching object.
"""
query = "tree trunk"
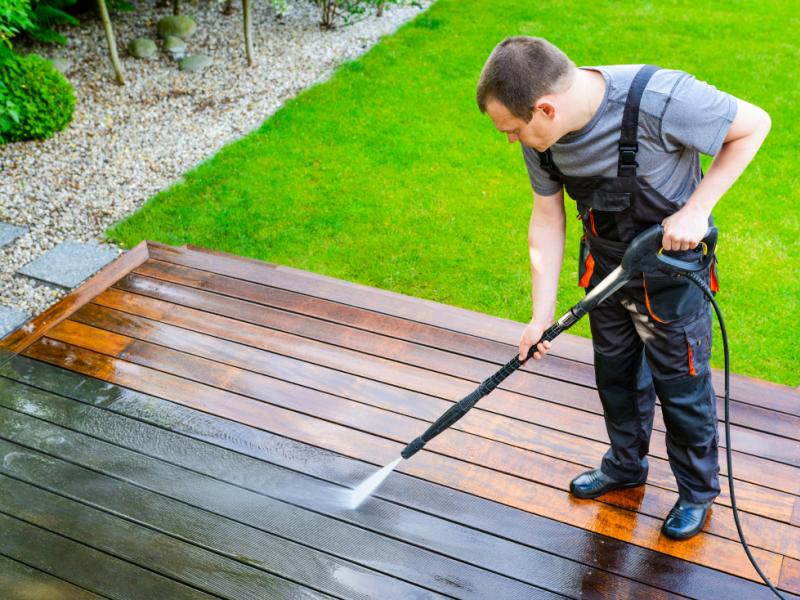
(248, 38)
(227, 8)
(112, 43)
(328, 13)
(379, 12)
(176, 7)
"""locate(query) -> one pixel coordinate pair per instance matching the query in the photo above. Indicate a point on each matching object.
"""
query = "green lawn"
(388, 175)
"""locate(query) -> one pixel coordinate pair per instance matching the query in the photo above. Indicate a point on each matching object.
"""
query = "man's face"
(538, 133)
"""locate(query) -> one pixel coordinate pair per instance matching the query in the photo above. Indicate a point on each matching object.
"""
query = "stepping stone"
(10, 319)
(8, 233)
(69, 263)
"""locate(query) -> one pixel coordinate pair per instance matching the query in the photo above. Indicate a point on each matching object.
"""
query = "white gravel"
(127, 143)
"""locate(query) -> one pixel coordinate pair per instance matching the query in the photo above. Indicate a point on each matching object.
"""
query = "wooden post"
(248, 37)
(112, 44)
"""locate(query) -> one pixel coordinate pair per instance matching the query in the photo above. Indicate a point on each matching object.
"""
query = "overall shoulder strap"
(628, 146)
(549, 166)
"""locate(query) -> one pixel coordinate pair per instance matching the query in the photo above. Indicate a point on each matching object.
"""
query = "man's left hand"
(685, 229)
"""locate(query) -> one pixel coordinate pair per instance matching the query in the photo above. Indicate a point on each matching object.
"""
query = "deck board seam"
(111, 554)
(53, 575)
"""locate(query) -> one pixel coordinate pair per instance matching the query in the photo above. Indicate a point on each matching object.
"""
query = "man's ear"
(546, 107)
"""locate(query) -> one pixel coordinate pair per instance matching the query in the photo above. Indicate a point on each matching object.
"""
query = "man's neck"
(585, 97)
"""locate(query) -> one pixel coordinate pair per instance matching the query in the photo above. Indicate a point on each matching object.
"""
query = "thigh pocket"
(698, 345)
(669, 297)
(687, 407)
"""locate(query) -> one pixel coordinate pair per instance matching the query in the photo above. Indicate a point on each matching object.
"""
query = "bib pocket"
(608, 215)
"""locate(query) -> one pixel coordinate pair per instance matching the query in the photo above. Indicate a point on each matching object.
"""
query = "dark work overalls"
(653, 337)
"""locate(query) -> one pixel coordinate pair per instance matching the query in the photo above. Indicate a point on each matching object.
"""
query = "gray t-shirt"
(679, 117)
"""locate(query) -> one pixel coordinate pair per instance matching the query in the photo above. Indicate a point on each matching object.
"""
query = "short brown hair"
(522, 69)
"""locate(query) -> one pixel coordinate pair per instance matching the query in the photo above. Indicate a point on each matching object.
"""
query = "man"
(625, 141)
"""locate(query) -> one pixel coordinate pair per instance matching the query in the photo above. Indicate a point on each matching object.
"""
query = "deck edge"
(22, 337)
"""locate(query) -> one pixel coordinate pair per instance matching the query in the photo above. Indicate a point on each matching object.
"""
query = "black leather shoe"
(685, 520)
(594, 483)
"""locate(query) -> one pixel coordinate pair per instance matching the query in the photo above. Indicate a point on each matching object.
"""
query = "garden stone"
(142, 48)
(61, 64)
(182, 26)
(10, 319)
(69, 263)
(8, 233)
(195, 62)
(175, 47)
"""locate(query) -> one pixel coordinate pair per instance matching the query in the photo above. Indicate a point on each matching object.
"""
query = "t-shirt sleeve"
(697, 116)
(540, 179)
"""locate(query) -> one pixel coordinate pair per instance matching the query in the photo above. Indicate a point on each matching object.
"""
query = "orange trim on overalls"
(714, 280)
(692, 372)
(587, 275)
(591, 220)
(647, 302)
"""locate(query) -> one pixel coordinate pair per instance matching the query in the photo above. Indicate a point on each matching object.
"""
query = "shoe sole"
(618, 487)
(680, 538)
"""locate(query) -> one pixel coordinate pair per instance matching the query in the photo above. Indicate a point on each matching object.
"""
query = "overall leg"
(678, 354)
(626, 390)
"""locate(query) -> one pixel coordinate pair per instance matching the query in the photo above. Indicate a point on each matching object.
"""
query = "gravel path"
(127, 143)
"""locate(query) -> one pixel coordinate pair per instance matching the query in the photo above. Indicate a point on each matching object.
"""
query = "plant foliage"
(35, 99)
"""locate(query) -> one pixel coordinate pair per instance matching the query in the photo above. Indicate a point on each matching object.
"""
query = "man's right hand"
(533, 332)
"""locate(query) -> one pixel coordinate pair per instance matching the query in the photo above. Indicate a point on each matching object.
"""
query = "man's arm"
(684, 229)
(546, 234)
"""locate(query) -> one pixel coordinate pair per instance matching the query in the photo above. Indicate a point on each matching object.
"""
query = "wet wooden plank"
(771, 395)
(21, 582)
(597, 551)
(369, 388)
(790, 574)
(550, 465)
(217, 310)
(770, 474)
(86, 567)
(243, 545)
(252, 512)
(370, 298)
(555, 374)
(248, 515)
(18, 340)
(191, 565)
(491, 484)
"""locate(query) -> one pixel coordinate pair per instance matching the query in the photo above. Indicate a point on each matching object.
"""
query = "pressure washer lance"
(644, 254)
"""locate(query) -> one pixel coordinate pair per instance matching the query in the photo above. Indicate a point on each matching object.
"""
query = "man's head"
(520, 88)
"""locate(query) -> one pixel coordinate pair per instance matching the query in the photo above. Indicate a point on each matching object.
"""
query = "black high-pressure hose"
(694, 278)
(643, 254)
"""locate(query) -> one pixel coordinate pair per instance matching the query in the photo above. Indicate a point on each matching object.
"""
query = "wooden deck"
(187, 423)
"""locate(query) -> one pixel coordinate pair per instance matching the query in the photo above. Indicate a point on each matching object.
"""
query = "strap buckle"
(627, 153)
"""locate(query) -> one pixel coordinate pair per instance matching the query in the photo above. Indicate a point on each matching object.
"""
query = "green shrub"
(35, 99)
